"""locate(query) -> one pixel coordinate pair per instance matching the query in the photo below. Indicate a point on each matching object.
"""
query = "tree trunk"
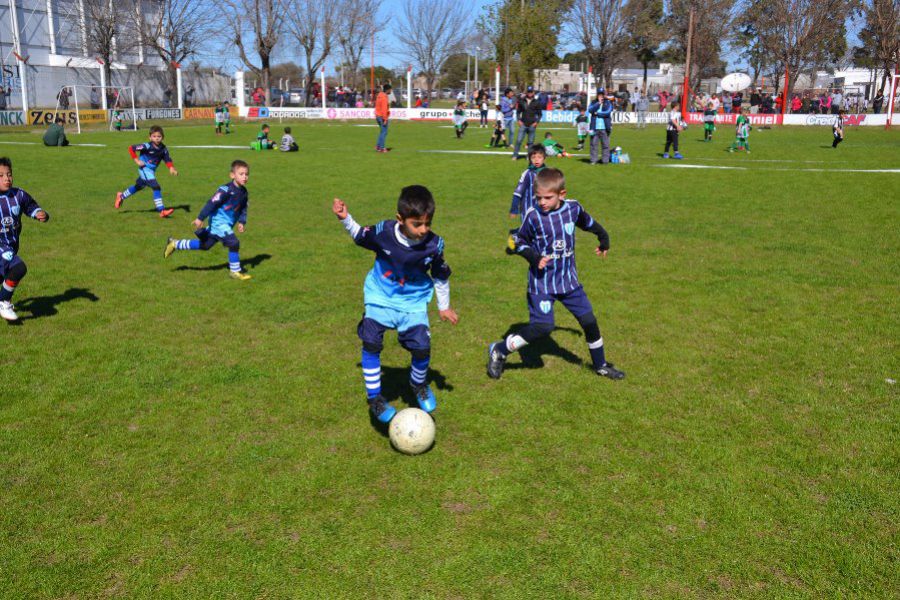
(644, 87)
(266, 69)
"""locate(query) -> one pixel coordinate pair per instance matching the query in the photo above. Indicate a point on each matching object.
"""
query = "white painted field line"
(20, 143)
(774, 160)
(684, 166)
(38, 144)
(507, 154)
(247, 147)
(794, 170)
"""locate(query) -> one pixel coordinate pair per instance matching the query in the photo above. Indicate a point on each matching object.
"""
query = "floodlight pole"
(77, 112)
(409, 88)
(103, 101)
(497, 83)
(179, 87)
(784, 93)
(890, 110)
(324, 89)
(687, 65)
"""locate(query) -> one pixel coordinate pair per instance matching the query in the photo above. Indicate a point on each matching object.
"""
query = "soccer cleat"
(119, 200)
(425, 397)
(666, 155)
(239, 276)
(164, 213)
(496, 360)
(170, 248)
(8, 311)
(381, 410)
(609, 370)
(678, 156)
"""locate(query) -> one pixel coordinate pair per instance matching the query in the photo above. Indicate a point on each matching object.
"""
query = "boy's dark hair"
(235, 164)
(385, 87)
(547, 135)
(6, 162)
(287, 129)
(415, 201)
(264, 126)
(550, 179)
(60, 120)
(156, 129)
(536, 149)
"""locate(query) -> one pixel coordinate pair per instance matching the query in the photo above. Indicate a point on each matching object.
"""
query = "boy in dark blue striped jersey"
(523, 195)
(409, 267)
(14, 203)
(227, 211)
(147, 156)
(547, 241)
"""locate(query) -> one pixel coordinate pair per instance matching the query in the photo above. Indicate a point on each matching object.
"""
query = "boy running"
(147, 157)
(227, 211)
(409, 268)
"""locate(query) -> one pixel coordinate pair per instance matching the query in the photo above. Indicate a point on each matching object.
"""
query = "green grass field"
(166, 431)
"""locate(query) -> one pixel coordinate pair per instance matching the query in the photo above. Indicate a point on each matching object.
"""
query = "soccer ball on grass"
(412, 431)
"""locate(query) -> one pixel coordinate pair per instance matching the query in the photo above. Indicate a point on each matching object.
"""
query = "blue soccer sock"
(131, 190)
(7, 289)
(234, 260)
(371, 366)
(187, 244)
(157, 200)
(418, 371)
(598, 355)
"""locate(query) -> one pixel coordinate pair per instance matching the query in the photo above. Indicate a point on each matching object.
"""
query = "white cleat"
(8, 311)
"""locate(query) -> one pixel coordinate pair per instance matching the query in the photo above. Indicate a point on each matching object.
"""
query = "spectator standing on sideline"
(508, 108)
(382, 114)
(600, 127)
(528, 112)
(755, 101)
(4, 92)
(877, 102)
(63, 98)
(837, 101)
(643, 106)
(189, 96)
(726, 103)
(95, 97)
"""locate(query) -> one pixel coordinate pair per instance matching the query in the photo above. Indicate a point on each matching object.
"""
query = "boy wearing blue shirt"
(409, 267)
(227, 211)
(547, 241)
(147, 156)
(14, 202)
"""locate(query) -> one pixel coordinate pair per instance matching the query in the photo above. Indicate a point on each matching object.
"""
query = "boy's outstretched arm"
(33, 209)
(363, 236)
(587, 223)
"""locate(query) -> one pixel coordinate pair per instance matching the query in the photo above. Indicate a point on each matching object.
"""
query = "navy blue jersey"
(226, 207)
(402, 275)
(523, 197)
(150, 154)
(553, 234)
(14, 203)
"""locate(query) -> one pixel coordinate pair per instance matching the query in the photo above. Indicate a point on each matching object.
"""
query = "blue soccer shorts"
(540, 306)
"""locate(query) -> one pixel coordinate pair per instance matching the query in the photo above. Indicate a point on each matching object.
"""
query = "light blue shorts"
(396, 319)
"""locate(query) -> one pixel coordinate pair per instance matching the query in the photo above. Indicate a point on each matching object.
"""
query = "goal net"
(95, 104)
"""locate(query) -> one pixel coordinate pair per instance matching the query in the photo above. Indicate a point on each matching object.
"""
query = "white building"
(562, 79)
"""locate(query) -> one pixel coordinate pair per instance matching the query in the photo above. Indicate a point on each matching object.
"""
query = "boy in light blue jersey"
(227, 211)
(547, 241)
(147, 157)
(409, 268)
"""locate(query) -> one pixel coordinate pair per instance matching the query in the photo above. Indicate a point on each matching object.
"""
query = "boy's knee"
(371, 333)
(535, 331)
(417, 340)
(153, 185)
(588, 322)
(17, 270)
(231, 242)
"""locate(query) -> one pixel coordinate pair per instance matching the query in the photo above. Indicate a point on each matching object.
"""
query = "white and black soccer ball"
(412, 431)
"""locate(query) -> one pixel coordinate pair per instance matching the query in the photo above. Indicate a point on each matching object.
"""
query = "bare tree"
(601, 26)
(712, 23)
(313, 23)
(880, 36)
(109, 30)
(176, 30)
(263, 20)
(357, 25)
(432, 32)
(645, 31)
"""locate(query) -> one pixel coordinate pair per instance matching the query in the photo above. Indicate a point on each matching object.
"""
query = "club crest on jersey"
(569, 227)
(8, 255)
(7, 221)
(559, 244)
(545, 306)
(427, 260)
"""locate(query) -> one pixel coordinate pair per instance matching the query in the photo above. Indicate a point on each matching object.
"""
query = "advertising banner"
(200, 112)
(148, 114)
(10, 118)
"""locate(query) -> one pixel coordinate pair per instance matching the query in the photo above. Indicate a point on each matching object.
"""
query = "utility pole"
(687, 65)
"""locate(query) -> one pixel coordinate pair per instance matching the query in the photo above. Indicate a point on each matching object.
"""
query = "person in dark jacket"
(600, 127)
(528, 113)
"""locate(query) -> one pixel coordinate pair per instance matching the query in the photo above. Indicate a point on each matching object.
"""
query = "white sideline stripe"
(37, 144)
(247, 147)
(773, 160)
(808, 170)
(506, 154)
(364, 125)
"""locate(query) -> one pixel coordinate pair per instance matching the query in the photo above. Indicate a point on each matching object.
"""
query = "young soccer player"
(547, 241)
(219, 118)
(742, 133)
(523, 195)
(226, 113)
(117, 120)
(837, 130)
(709, 122)
(499, 130)
(581, 126)
(459, 119)
(147, 157)
(673, 127)
(227, 211)
(262, 139)
(15, 203)
(287, 142)
(552, 147)
(409, 268)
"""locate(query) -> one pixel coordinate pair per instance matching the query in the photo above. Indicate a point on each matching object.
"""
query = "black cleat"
(609, 370)
(496, 360)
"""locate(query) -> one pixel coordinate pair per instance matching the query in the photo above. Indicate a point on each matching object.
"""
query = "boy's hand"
(513, 216)
(173, 171)
(449, 315)
(545, 260)
(600, 252)
(197, 224)
(140, 163)
(41, 216)
(240, 228)
(339, 208)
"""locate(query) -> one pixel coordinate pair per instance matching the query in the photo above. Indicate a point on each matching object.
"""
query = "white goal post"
(123, 97)
(892, 100)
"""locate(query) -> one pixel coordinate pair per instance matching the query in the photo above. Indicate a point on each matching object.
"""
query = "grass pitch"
(168, 432)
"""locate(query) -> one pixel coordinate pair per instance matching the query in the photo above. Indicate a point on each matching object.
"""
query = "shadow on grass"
(395, 385)
(251, 262)
(532, 354)
(45, 306)
(185, 207)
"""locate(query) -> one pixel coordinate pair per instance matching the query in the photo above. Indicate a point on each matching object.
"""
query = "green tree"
(879, 37)
(645, 25)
